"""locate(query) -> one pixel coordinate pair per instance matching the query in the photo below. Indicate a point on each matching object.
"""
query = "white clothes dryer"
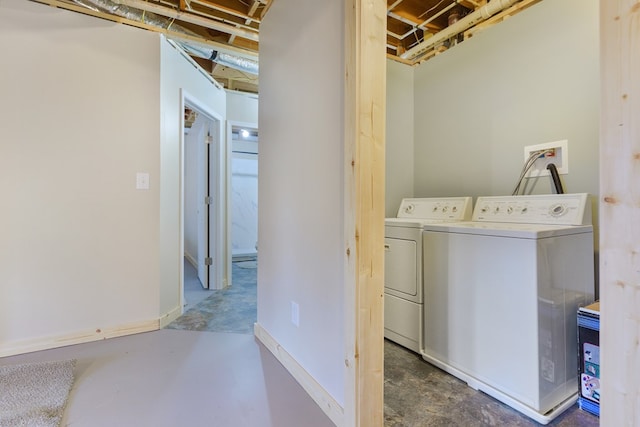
(403, 299)
(502, 294)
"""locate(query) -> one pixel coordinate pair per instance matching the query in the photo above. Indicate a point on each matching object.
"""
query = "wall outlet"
(559, 157)
(295, 313)
(142, 181)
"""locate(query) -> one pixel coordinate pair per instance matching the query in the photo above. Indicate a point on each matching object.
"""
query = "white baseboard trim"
(46, 343)
(326, 402)
(191, 259)
(170, 316)
(244, 256)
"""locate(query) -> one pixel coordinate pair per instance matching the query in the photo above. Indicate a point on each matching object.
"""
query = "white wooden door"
(196, 140)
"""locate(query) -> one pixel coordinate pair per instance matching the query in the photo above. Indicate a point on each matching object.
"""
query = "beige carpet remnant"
(35, 394)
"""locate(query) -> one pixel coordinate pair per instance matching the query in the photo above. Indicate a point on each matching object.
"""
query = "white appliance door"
(401, 274)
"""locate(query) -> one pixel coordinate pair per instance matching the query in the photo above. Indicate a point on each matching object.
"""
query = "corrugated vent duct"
(232, 61)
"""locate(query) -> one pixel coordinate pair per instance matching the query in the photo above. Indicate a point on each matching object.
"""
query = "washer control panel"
(437, 208)
(561, 209)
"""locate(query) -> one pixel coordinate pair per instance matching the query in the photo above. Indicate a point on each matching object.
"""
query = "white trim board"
(171, 316)
(79, 337)
(324, 400)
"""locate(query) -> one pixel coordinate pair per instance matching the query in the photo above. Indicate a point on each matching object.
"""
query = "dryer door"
(400, 268)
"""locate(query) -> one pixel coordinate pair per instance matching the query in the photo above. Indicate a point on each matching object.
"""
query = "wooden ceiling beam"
(523, 4)
(252, 10)
(192, 18)
(267, 5)
(182, 37)
(473, 4)
(393, 5)
(228, 10)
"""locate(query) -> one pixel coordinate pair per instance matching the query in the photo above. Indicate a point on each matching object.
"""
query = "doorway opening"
(231, 308)
(244, 193)
(203, 204)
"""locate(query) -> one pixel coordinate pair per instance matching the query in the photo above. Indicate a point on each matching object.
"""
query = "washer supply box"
(589, 356)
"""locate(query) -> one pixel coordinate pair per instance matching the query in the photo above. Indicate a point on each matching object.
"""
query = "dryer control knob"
(557, 210)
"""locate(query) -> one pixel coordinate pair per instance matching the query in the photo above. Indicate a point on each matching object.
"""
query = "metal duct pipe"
(480, 14)
(236, 62)
(231, 61)
(193, 19)
(109, 6)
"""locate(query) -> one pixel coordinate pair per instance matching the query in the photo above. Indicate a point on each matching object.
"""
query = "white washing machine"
(501, 296)
(403, 263)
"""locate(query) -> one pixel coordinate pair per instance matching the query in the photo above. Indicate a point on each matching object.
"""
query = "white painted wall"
(532, 79)
(242, 107)
(301, 186)
(78, 118)
(400, 137)
(85, 106)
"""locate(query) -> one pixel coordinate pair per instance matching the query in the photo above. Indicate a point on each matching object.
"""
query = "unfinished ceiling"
(222, 36)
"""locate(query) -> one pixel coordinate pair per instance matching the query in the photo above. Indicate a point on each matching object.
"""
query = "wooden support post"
(365, 83)
(620, 212)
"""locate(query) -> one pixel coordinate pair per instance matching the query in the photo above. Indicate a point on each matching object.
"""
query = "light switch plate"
(142, 181)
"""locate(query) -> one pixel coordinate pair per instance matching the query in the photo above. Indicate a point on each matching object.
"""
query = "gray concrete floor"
(417, 394)
(172, 378)
(195, 373)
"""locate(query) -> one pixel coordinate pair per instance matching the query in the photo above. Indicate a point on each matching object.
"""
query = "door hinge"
(208, 261)
(208, 200)
(208, 139)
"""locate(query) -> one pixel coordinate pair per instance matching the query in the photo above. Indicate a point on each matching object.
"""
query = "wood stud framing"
(222, 23)
(410, 22)
(619, 209)
(364, 210)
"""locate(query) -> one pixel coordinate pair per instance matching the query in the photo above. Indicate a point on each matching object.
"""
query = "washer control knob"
(410, 208)
(557, 210)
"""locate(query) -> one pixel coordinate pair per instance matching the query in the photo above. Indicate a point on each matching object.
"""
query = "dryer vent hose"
(556, 177)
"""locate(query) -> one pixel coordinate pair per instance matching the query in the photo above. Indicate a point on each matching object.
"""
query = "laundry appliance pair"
(500, 295)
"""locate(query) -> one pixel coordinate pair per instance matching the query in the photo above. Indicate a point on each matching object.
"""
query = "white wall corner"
(318, 393)
(169, 317)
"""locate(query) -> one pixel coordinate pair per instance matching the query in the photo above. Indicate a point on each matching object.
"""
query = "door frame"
(217, 159)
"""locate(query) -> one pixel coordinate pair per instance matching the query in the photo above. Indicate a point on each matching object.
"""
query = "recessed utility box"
(559, 156)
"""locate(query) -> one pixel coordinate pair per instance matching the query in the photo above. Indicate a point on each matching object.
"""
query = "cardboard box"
(589, 358)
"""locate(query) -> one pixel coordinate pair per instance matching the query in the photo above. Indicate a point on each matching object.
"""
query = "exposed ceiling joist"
(416, 29)
(191, 18)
